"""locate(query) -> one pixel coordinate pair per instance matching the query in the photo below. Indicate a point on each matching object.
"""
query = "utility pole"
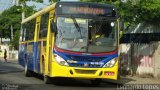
(23, 13)
(23, 5)
(0, 38)
(23, 16)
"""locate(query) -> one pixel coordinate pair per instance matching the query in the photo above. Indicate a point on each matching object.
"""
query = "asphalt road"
(12, 78)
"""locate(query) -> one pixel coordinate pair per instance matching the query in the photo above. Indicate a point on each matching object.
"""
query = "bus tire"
(46, 79)
(43, 64)
(118, 77)
(96, 82)
(27, 72)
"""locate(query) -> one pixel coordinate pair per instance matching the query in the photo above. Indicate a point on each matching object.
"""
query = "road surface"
(12, 78)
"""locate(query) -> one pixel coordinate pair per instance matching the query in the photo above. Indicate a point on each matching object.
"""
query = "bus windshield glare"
(86, 35)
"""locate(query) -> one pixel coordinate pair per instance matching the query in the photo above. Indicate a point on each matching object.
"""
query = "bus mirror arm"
(121, 25)
(53, 27)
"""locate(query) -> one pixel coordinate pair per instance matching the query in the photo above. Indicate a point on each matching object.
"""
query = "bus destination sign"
(86, 10)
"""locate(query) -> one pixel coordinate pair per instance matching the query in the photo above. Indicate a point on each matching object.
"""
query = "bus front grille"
(80, 71)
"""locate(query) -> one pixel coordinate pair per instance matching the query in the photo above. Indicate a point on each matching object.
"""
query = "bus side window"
(30, 29)
(44, 25)
(26, 34)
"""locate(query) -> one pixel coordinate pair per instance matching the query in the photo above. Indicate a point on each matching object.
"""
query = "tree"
(136, 11)
(23, 4)
(10, 20)
(24, 1)
(53, 1)
(100, 1)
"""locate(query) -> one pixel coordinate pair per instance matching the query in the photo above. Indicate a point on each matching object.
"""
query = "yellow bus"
(71, 39)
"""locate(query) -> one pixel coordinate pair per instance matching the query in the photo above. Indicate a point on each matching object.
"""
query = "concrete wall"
(143, 58)
(11, 53)
(125, 53)
(2, 48)
(144, 28)
(140, 58)
(157, 60)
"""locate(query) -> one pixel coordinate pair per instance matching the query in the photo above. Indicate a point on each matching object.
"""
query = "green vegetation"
(140, 11)
(10, 20)
(24, 1)
(132, 11)
(136, 11)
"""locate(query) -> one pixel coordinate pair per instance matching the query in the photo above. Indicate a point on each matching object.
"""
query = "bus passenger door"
(43, 55)
(49, 46)
(42, 39)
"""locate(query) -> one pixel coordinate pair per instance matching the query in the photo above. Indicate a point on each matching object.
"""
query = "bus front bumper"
(88, 73)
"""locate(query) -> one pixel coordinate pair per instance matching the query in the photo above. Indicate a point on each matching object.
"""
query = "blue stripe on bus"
(22, 53)
(36, 57)
(106, 58)
(31, 57)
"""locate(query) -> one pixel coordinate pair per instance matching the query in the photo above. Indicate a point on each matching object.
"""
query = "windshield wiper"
(77, 26)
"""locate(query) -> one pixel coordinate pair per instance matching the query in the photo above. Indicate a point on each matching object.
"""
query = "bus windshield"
(86, 35)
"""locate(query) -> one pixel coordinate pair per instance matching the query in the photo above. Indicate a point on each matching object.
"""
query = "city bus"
(71, 40)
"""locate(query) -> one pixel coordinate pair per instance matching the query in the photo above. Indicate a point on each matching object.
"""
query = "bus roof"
(53, 6)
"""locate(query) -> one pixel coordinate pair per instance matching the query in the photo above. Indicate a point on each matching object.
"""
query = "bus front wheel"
(96, 81)
(47, 80)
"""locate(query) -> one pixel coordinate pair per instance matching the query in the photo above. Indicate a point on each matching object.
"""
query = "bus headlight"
(60, 61)
(111, 63)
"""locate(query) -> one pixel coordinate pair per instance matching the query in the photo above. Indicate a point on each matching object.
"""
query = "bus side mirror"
(53, 27)
(121, 24)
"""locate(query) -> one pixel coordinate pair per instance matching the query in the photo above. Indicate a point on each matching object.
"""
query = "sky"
(70, 0)
(5, 4)
(45, 3)
(38, 5)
